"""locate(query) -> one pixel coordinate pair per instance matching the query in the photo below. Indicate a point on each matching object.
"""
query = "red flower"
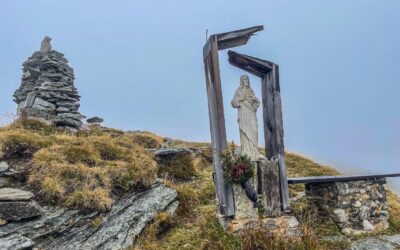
(238, 170)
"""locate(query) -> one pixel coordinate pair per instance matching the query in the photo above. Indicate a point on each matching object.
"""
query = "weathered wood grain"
(273, 134)
(236, 38)
(269, 187)
(224, 193)
(250, 64)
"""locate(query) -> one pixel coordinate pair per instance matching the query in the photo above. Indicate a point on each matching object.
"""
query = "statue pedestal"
(244, 206)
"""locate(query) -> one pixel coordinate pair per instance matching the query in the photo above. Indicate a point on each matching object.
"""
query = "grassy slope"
(92, 168)
(88, 170)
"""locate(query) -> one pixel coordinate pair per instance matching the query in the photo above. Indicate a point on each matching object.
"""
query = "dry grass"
(394, 213)
(298, 166)
(262, 239)
(87, 170)
(16, 143)
(180, 167)
(98, 199)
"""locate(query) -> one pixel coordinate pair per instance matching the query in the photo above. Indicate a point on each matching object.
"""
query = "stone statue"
(45, 46)
(247, 103)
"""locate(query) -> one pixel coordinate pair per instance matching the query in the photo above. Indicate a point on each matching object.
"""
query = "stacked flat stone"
(356, 206)
(47, 88)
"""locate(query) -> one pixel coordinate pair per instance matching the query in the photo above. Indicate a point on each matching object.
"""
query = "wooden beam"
(250, 64)
(324, 179)
(231, 39)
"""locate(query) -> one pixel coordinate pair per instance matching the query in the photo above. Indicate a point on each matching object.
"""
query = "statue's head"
(244, 81)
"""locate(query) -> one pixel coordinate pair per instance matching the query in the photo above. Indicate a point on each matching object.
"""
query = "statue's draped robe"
(247, 119)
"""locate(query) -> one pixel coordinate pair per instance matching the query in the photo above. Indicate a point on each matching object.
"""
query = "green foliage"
(237, 169)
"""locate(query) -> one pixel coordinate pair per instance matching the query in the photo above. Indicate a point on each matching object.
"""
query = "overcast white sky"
(138, 64)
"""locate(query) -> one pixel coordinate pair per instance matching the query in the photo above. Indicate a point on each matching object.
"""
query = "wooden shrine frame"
(273, 129)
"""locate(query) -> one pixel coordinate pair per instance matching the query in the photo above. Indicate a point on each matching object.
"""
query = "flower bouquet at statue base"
(238, 169)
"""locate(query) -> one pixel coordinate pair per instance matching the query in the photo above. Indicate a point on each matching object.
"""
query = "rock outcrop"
(47, 88)
(13, 194)
(16, 205)
(167, 153)
(61, 228)
(377, 243)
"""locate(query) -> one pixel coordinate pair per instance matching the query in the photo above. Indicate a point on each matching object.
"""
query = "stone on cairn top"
(47, 88)
(46, 46)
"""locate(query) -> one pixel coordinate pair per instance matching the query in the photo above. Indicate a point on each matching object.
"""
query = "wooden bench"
(339, 178)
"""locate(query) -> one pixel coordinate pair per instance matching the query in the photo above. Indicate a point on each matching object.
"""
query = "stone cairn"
(47, 88)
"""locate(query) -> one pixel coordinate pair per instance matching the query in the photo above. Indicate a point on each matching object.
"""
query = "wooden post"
(273, 128)
(269, 187)
(224, 192)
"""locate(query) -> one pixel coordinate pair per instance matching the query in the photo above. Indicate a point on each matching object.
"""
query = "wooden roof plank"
(250, 64)
(237, 34)
(231, 39)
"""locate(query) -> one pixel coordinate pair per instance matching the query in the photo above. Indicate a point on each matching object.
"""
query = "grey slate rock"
(95, 120)
(394, 239)
(367, 226)
(371, 244)
(170, 152)
(13, 194)
(15, 242)
(3, 182)
(4, 166)
(19, 210)
(69, 229)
